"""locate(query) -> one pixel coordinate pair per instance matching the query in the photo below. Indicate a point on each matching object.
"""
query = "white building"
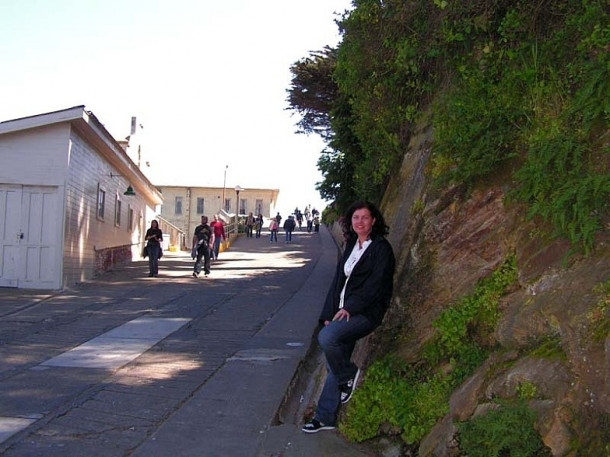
(65, 213)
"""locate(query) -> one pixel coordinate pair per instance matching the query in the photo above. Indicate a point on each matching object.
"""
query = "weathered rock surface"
(445, 241)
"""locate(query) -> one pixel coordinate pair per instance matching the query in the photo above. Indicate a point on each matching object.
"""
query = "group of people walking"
(207, 238)
(254, 224)
(311, 217)
(206, 245)
(290, 225)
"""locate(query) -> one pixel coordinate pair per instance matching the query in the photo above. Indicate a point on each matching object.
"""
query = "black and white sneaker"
(348, 388)
(315, 426)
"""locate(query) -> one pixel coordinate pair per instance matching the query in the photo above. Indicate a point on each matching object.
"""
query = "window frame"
(259, 206)
(100, 205)
(130, 214)
(178, 199)
(118, 204)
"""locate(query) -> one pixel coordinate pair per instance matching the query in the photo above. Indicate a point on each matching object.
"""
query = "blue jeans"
(338, 340)
(216, 246)
(203, 251)
(288, 235)
(153, 258)
(273, 236)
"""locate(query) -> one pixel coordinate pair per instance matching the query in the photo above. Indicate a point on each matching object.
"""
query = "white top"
(350, 263)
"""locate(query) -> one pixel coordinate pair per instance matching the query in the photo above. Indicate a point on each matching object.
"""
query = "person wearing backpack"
(273, 227)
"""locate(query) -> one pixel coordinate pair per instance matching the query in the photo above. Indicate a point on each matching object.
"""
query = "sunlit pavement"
(175, 365)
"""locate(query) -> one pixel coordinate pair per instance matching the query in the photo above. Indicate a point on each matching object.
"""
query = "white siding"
(35, 157)
(68, 154)
(85, 232)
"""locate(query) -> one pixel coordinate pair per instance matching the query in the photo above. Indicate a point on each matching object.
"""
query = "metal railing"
(232, 228)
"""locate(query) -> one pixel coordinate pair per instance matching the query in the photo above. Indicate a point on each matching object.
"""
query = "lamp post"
(237, 189)
(224, 185)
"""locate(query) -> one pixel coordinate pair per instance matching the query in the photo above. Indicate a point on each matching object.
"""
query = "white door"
(30, 237)
(10, 235)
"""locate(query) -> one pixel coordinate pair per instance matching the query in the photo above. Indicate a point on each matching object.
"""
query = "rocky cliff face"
(445, 241)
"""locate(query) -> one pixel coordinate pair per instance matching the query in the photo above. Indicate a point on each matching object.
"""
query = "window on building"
(243, 205)
(129, 218)
(101, 202)
(117, 210)
(200, 206)
(259, 206)
(228, 205)
(178, 206)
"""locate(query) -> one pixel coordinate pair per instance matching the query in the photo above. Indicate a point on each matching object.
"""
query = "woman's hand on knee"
(342, 314)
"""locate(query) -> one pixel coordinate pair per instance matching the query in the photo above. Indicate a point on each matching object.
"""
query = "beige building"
(184, 206)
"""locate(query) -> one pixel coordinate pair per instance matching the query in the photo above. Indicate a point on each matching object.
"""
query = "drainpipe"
(188, 215)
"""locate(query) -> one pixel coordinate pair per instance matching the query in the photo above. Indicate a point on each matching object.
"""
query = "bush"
(507, 431)
(400, 396)
(413, 398)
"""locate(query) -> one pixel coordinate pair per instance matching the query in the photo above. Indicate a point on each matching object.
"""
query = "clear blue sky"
(206, 78)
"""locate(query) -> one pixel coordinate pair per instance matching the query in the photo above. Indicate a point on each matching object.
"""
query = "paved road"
(127, 365)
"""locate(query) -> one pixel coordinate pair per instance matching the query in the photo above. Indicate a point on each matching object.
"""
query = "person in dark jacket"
(203, 241)
(153, 238)
(355, 305)
(289, 226)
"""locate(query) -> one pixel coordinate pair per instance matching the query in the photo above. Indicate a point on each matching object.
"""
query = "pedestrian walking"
(250, 220)
(259, 225)
(203, 240)
(153, 249)
(355, 305)
(219, 234)
(273, 228)
(289, 225)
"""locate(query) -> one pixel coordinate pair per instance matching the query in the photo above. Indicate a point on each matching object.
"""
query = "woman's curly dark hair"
(379, 228)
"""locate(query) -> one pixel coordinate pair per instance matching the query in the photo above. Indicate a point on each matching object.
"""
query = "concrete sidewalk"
(127, 365)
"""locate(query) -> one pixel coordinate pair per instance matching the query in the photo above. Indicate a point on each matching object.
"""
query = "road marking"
(119, 346)
(11, 425)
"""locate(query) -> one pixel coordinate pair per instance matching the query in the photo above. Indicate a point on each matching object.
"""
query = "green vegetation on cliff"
(516, 94)
(411, 399)
(510, 85)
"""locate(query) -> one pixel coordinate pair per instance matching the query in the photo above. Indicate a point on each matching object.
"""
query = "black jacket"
(369, 289)
(289, 224)
(203, 232)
